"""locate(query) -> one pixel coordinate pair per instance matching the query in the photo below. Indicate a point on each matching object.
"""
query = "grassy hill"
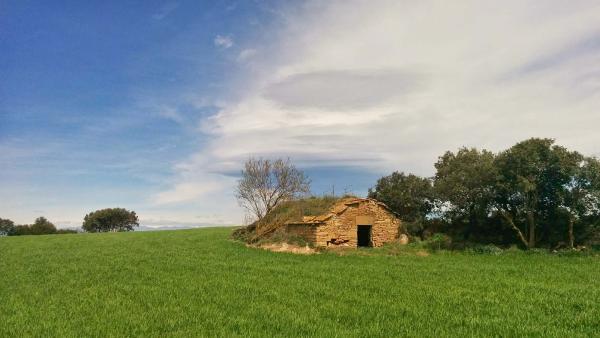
(198, 282)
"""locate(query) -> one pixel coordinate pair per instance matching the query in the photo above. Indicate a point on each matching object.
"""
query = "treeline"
(41, 226)
(534, 194)
(104, 220)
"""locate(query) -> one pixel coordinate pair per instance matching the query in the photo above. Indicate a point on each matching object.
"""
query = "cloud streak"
(165, 10)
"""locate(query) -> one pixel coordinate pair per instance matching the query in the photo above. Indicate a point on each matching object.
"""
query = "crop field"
(200, 283)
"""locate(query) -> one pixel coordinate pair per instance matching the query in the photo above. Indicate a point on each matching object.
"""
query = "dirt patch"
(422, 253)
(285, 247)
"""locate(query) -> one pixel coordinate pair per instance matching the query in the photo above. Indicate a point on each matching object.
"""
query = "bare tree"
(265, 183)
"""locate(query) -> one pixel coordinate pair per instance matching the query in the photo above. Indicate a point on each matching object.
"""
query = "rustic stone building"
(350, 222)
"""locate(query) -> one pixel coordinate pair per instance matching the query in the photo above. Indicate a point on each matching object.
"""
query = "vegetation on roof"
(293, 211)
(288, 212)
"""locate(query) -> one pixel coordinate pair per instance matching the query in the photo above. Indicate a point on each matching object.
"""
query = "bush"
(280, 236)
(536, 251)
(243, 234)
(489, 249)
(66, 231)
(439, 242)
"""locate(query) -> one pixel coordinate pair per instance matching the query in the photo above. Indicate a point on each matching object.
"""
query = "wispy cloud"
(246, 54)
(165, 10)
(171, 114)
(390, 85)
(223, 41)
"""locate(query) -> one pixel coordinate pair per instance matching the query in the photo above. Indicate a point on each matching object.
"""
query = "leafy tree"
(265, 184)
(21, 230)
(6, 227)
(410, 196)
(464, 182)
(542, 191)
(111, 219)
(532, 176)
(42, 226)
(580, 200)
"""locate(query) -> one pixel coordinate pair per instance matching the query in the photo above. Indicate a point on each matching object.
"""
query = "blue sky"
(154, 105)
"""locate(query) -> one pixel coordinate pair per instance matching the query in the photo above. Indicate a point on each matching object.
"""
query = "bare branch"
(265, 184)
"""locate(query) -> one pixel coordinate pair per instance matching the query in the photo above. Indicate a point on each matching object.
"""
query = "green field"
(200, 283)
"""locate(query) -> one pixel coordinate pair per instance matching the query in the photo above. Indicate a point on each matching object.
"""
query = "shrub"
(489, 249)
(66, 231)
(536, 251)
(284, 237)
(439, 242)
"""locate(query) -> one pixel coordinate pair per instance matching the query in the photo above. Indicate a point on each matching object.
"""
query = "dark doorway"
(364, 235)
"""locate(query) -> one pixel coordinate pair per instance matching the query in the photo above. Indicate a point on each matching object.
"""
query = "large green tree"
(410, 196)
(6, 227)
(545, 193)
(111, 219)
(464, 183)
(580, 200)
(42, 226)
(532, 176)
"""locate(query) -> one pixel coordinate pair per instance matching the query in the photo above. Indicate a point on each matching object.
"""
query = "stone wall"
(341, 229)
(308, 232)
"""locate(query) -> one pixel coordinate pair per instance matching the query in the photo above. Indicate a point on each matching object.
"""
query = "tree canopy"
(6, 227)
(110, 219)
(410, 196)
(535, 192)
(41, 226)
(464, 182)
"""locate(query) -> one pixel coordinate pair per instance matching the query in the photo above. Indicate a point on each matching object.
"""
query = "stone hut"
(351, 222)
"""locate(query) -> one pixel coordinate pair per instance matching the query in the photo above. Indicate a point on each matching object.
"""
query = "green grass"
(200, 283)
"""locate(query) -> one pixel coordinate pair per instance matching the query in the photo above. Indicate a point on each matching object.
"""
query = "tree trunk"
(531, 225)
(509, 219)
(571, 236)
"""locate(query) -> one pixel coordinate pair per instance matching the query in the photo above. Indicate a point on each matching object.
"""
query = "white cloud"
(170, 113)
(223, 41)
(246, 55)
(390, 85)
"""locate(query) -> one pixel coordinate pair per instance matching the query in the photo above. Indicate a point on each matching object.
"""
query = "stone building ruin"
(351, 222)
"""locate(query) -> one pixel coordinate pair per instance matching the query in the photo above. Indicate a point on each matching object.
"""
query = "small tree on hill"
(265, 183)
(111, 219)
